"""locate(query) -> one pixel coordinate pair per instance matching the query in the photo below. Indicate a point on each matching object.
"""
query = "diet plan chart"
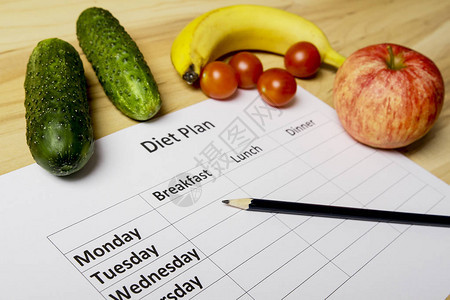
(145, 219)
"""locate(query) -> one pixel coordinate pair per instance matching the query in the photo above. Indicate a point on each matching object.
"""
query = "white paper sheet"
(144, 219)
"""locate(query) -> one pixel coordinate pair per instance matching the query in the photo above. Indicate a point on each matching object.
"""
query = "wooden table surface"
(349, 25)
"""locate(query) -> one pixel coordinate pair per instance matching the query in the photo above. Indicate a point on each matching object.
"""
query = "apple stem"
(394, 62)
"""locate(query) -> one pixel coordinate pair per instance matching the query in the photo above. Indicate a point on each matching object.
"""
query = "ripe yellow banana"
(244, 27)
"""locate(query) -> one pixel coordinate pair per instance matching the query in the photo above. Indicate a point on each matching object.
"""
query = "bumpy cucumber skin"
(118, 64)
(59, 130)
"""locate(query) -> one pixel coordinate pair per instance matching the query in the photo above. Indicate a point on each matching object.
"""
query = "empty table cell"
(251, 243)
(268, 261)
(289, 276)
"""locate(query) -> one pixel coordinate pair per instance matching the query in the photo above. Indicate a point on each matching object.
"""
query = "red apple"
(388, 96)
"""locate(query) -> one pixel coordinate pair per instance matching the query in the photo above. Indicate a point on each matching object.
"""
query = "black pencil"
(284, 207)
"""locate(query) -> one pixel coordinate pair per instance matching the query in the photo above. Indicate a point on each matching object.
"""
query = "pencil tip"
(226, 201)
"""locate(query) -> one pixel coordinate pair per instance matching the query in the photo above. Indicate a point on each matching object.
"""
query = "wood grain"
(349, 25)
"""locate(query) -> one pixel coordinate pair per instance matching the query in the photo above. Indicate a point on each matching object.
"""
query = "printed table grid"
(352, 235)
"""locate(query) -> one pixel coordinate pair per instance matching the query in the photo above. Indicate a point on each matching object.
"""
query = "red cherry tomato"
(277, 87)
(302, 60)
(248, 68)
(218, 80)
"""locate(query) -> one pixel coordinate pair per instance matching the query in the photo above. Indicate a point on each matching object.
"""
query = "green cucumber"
(118, 63)
(59, 130)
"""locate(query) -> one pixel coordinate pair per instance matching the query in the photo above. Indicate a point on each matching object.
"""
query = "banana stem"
(333, 58)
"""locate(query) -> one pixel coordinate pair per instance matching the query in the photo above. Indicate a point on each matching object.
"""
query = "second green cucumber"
(118, 63)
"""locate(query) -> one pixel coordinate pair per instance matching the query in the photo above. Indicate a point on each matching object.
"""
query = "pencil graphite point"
(239, 203)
